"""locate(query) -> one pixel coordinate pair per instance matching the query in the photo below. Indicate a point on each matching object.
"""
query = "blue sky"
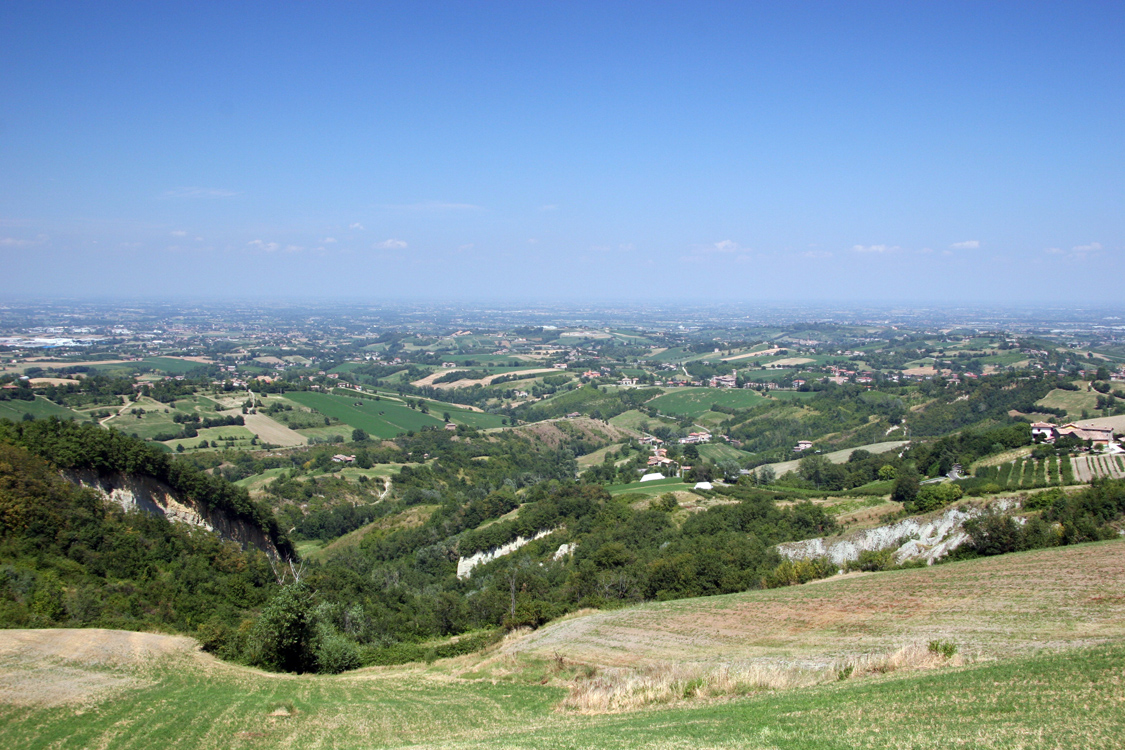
(874, 152)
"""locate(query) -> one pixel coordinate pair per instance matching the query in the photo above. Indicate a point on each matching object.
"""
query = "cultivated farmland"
(383, 418)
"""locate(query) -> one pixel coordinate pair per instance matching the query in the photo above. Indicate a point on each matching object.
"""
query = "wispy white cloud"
(328, 240)
(722, 248)
(626, 247)
(198, 192)
(268, 247)
(1078, 252)
(390, 244)
(14, 242)
(179, 233)
(355, 225)
(877, 249)
(817, 254)
(467, 246)
(966, 245)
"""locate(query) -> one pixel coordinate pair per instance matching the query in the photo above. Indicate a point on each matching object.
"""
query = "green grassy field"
(457, 414)
(384, 419)
(40, 408)
(231, 436)
(722, 452)
(638, 420)
(1074, 402)
(1042, 641)
(695, 401)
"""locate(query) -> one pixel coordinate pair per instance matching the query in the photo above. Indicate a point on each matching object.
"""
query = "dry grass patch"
(619, 690)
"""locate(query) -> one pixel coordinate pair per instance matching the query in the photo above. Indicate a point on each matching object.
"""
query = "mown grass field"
(383, 418)
(1043, 632)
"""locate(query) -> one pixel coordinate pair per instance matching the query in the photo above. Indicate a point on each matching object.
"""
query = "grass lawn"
(384, 419)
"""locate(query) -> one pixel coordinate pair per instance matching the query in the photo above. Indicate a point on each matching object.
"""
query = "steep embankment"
(927, 537)
(138, 475)
(145, 493)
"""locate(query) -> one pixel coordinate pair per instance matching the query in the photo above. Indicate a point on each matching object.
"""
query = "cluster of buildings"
(1101, 437)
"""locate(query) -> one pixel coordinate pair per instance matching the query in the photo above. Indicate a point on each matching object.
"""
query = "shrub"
(336, 653)
(284, 638)
(871, 560)
(933, 497)
(791, 572)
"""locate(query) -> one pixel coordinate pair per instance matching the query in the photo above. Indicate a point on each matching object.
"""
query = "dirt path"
(270, 431)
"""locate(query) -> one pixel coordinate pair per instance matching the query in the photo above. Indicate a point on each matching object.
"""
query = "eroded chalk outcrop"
(926, 538)
(465, 565)
(144, 493)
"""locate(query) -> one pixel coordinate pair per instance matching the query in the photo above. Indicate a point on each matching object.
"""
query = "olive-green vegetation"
(1089, 515)
(71, 445)
(68, 558)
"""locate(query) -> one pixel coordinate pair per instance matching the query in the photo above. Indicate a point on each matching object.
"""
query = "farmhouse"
(802, 445)
(725, 381)
(1099, 436)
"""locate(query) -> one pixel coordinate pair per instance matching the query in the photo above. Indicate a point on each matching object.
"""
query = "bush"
(284, 638)
(336, 653)
(872, 560)
(933, 497)
(790, 572)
